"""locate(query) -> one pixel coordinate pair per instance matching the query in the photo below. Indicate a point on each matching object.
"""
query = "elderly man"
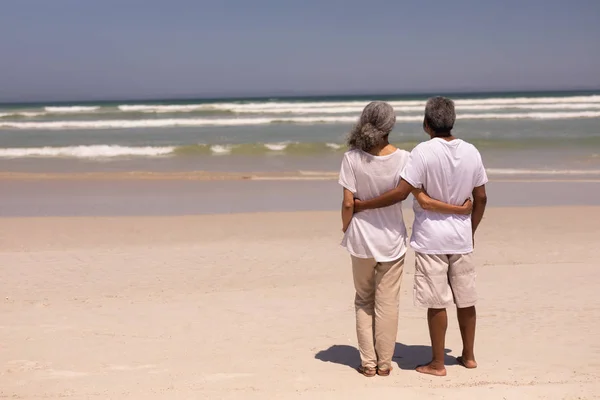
(450, 170)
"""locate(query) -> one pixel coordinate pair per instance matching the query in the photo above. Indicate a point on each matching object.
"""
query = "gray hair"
(440, 115)
(374, 125)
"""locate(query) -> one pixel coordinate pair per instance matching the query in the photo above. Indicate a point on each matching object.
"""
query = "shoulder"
(421, 149)
(424, 146)
(350, 157)
(469, 147)
(401, 153)
(351, 153)
(401, 157)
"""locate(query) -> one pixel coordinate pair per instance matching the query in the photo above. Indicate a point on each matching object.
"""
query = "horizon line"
(291, 95)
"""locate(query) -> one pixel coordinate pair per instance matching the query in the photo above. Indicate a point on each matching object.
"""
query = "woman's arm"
(427, 203)
(347, 209)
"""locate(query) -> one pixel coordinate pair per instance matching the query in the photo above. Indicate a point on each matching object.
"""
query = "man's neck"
(446, 138)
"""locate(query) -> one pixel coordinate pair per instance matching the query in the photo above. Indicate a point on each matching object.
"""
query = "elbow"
(400, 195)
(480, 200)
(426, 205)
(403, 195)
(348, 205)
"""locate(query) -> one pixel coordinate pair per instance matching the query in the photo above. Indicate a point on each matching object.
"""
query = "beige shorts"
(442, 280)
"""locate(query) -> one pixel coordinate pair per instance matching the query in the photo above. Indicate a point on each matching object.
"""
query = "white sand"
(259, 306)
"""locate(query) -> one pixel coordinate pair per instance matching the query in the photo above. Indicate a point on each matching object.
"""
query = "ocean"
(519, 134)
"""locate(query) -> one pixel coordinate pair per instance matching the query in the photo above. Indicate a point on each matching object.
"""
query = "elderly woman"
(376, 239)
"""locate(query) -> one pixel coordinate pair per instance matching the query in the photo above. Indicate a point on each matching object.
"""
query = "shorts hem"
(440, 306)
(467, 305)
(440, 252)
(434, 306)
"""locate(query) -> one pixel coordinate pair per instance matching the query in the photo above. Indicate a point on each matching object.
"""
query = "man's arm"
(347, 209)
(396, 195)
(427, 203)
(479, 203)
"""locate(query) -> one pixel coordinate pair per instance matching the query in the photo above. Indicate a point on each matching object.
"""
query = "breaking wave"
(95, 151)
(71, 109)
(111, 151)
(196, 122)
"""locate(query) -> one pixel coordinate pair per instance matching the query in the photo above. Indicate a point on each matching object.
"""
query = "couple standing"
(377, 177)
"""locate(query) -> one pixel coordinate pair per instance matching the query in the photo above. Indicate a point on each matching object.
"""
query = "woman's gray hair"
(374, 125)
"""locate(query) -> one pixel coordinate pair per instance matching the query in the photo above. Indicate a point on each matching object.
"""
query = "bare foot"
(470, 364)
(432, 369)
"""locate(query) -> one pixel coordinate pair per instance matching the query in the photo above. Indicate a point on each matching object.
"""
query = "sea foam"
(276, 146)
(221, 149)
(171, 122)
(190, 122)
(94, 151)
(71, 109)
(174, 108)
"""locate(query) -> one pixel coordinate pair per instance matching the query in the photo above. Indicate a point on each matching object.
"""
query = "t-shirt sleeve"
(347, 178)
(414, 171)
(480, 174)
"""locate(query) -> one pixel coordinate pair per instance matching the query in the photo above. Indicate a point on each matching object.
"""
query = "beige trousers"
(377, 287)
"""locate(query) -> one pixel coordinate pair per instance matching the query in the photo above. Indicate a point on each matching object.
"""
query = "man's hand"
(358, 206)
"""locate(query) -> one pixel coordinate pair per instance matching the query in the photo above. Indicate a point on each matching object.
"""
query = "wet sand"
(190, 194)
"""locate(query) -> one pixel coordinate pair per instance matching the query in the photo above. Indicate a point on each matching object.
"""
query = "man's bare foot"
(432, 369)
(470, 364)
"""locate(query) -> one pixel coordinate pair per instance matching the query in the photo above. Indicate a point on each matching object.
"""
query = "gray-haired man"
(449, 170)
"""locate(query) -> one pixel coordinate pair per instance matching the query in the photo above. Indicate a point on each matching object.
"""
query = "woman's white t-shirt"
(378, 233)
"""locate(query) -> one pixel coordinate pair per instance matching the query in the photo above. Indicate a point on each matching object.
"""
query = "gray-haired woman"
(376, 239)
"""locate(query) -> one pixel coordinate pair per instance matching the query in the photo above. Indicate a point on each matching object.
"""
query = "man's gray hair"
(440, 115)
(374, 125)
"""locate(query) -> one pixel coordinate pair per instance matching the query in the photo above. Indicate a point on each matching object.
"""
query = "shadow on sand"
(406, 356)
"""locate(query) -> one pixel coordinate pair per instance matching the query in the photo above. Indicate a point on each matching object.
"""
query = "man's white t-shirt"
(379, 233)
(448, 171)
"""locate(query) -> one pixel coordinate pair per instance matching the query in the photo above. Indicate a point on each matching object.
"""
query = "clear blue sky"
(91, 49)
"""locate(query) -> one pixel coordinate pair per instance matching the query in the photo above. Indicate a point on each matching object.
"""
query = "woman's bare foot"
(432, 369)
(470, 364)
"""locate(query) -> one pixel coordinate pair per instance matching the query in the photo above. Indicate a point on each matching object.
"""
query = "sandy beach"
(259, 306)
(172, 174)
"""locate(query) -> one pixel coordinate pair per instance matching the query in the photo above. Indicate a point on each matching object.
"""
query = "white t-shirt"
(379, 233)
(448, 171)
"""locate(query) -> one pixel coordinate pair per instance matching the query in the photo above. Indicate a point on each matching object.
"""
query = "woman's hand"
(467, 207)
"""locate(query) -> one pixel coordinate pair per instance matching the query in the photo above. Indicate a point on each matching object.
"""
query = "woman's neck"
(383, 150)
